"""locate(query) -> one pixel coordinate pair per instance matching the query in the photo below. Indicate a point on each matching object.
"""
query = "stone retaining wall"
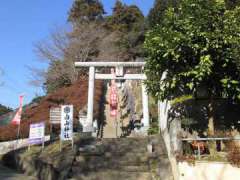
(8, 146)
(208, 171)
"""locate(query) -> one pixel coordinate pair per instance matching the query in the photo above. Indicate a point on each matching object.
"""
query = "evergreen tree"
(129, 22)
(198, 47)
(156, 14)
(125, 18)
(232, 3)
(86, 11)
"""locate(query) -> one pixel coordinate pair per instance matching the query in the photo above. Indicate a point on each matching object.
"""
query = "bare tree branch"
(62, 49)
(37, 76)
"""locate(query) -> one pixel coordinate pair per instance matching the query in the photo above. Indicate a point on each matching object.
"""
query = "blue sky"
(23, 23)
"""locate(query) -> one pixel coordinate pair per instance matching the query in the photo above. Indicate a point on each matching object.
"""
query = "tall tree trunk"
(211, 144)
(210, 118)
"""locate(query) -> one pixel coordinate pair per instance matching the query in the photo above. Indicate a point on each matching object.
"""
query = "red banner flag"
(17, 118)
(113, 96)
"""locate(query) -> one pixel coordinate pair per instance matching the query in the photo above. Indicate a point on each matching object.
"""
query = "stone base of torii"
(89, 124)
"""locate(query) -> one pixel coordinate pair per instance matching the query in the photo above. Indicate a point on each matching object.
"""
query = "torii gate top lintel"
(109, 64)
(117, 65)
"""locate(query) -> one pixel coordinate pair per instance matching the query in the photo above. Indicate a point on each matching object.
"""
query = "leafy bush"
(234, 154)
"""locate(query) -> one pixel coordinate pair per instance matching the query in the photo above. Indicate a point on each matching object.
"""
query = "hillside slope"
(75, 94)
(4, 109)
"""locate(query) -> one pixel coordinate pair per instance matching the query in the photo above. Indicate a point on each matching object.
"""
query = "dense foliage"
(197, 46)
(86, 10)
(232, 3)
(129, 23)
(156, 14)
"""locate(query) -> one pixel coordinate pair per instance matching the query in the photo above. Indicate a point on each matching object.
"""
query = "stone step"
(129, 147)
(113, 175)
(101, 167)
(129, 168)
(101, 150)
(98, 162)
(123, 158)
(125, 152)
(137, 149)
(129, 156)
(130, 162)
(114, 146)
(124, 140)
(116, 155)
(91, 150)
(126, 145)
(135, 156)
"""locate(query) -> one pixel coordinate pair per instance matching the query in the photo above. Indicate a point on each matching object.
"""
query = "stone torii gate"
(119, 76)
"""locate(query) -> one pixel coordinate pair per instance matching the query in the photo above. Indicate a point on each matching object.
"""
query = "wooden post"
(50, 126)
(72, 143)
(43, 141)
(60, 143)
(18, 132)
(116, 126)
(199, 152)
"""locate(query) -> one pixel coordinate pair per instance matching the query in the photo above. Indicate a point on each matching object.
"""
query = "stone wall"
(208, 170)
(8, 146)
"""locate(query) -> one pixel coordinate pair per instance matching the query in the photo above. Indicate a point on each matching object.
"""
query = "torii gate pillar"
(90, 97)
(145, 109)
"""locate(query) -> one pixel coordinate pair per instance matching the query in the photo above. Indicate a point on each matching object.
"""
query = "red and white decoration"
(113, 97)
(17, 118)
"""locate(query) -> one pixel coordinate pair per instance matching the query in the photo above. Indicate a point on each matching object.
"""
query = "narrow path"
(9, 174)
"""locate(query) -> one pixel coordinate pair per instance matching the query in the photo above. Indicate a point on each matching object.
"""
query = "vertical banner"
(66, 122)
(17, 118)
(55, 115)
(113, 104)
(113, 97)
(36, 133)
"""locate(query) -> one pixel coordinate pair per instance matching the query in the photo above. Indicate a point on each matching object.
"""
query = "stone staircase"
(121, 159)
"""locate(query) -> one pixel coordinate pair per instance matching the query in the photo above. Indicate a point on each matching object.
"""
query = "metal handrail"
(210, 139)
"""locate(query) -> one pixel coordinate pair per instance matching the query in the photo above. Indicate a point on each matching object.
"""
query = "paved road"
(9, 174)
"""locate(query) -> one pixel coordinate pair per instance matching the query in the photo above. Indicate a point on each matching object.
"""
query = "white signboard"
(66, 122)
(36, 133)
(55, 115)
